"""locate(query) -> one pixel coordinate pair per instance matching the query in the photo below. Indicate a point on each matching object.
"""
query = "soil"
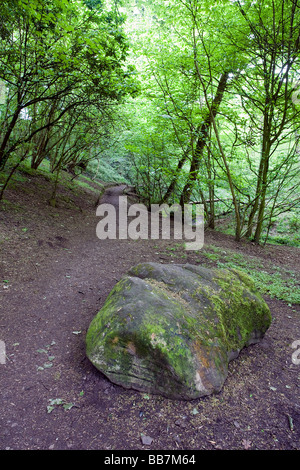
(55, 275)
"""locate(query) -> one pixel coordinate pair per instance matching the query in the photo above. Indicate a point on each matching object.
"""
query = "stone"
(146, 440)
(172, 329)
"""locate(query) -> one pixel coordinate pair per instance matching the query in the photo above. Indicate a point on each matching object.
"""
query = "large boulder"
(172, 329)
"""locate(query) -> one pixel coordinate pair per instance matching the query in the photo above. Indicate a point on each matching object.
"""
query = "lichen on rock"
(172, 329)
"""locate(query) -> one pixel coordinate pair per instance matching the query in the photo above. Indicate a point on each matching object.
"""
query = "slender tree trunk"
(4, 153)
(254, 205)
(211, 216)
(202, 139)
(262, 205)
(15, 167)
(238, 227)
(8, 180)
(236, 205)
(265, 152)
(211, 191)
(43, 139)
(52, 200)
(202, 131)
(173, 183)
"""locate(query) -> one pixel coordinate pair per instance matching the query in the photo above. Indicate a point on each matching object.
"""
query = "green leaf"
(68, 406)
(56, 401)
(42, 351)
(47, 365)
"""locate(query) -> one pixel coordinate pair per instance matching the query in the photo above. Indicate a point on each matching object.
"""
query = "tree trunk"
(4, 154)
(52, 200)
(173, 183)
(211, 192)
(262, 206)
(11, 174)
(265, 151)
(202, 139)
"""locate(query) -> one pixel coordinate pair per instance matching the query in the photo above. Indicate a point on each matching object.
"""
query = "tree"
(62, 56)
(274, 41)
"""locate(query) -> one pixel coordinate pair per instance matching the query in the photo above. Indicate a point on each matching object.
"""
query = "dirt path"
(56, 276)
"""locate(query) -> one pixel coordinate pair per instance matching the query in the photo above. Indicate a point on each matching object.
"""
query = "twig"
(291, 422)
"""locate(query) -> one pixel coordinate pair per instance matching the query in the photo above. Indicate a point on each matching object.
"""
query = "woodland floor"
(55, 275)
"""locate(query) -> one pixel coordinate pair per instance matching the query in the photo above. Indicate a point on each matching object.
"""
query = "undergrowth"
(275, 281)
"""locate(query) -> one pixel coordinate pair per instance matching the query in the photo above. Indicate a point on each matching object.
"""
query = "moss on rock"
(172, 329)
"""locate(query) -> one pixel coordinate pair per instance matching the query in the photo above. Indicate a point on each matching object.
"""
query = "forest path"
(112, 194)
(57, 276)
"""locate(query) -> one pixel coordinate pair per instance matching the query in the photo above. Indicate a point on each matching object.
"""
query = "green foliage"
(91, 4)
(127, 91)
(53, 402)
(106, 172)
(63, 67)
(181, 49)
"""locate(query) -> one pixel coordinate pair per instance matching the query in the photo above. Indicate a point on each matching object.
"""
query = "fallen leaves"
(46, 350)
(5, 284)
(53, 402)
(246, 444)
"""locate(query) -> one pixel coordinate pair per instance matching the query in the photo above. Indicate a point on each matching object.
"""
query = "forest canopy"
(189, 101)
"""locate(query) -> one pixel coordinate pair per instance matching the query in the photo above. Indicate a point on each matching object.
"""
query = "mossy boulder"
(172, 329)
